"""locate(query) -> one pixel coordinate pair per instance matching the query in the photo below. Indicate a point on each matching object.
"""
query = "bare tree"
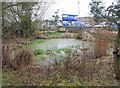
(23, 16)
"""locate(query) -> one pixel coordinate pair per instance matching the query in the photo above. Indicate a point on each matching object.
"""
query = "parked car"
(113, 25)
(80, 24)
(102, 24)
(98, 25)
(87, 25)
(66, 24)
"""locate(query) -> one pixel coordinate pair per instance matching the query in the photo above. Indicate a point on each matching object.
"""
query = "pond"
(54, 44)
(46, 50)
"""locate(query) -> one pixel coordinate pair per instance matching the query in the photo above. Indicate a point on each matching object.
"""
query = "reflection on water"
(54, 44)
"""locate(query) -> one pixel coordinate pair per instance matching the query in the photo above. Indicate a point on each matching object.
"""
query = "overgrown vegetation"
(112, 15)
(73, 72)
(84, 68)
(91, 66)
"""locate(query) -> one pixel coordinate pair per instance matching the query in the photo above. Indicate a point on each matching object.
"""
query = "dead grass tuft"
(23, 59)
(101, 47)
(5, 55)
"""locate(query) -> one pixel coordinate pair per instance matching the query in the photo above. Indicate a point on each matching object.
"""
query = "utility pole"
(78, 8)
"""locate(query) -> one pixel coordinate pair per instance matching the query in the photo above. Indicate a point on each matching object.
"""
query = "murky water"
(54, 44)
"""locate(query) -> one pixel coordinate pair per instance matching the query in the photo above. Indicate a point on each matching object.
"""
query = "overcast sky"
(72, 7)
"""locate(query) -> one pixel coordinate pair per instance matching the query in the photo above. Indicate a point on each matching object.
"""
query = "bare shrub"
(101, 43)
(8, 52)
(72, 67)
(101, 47)
(23, 59)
